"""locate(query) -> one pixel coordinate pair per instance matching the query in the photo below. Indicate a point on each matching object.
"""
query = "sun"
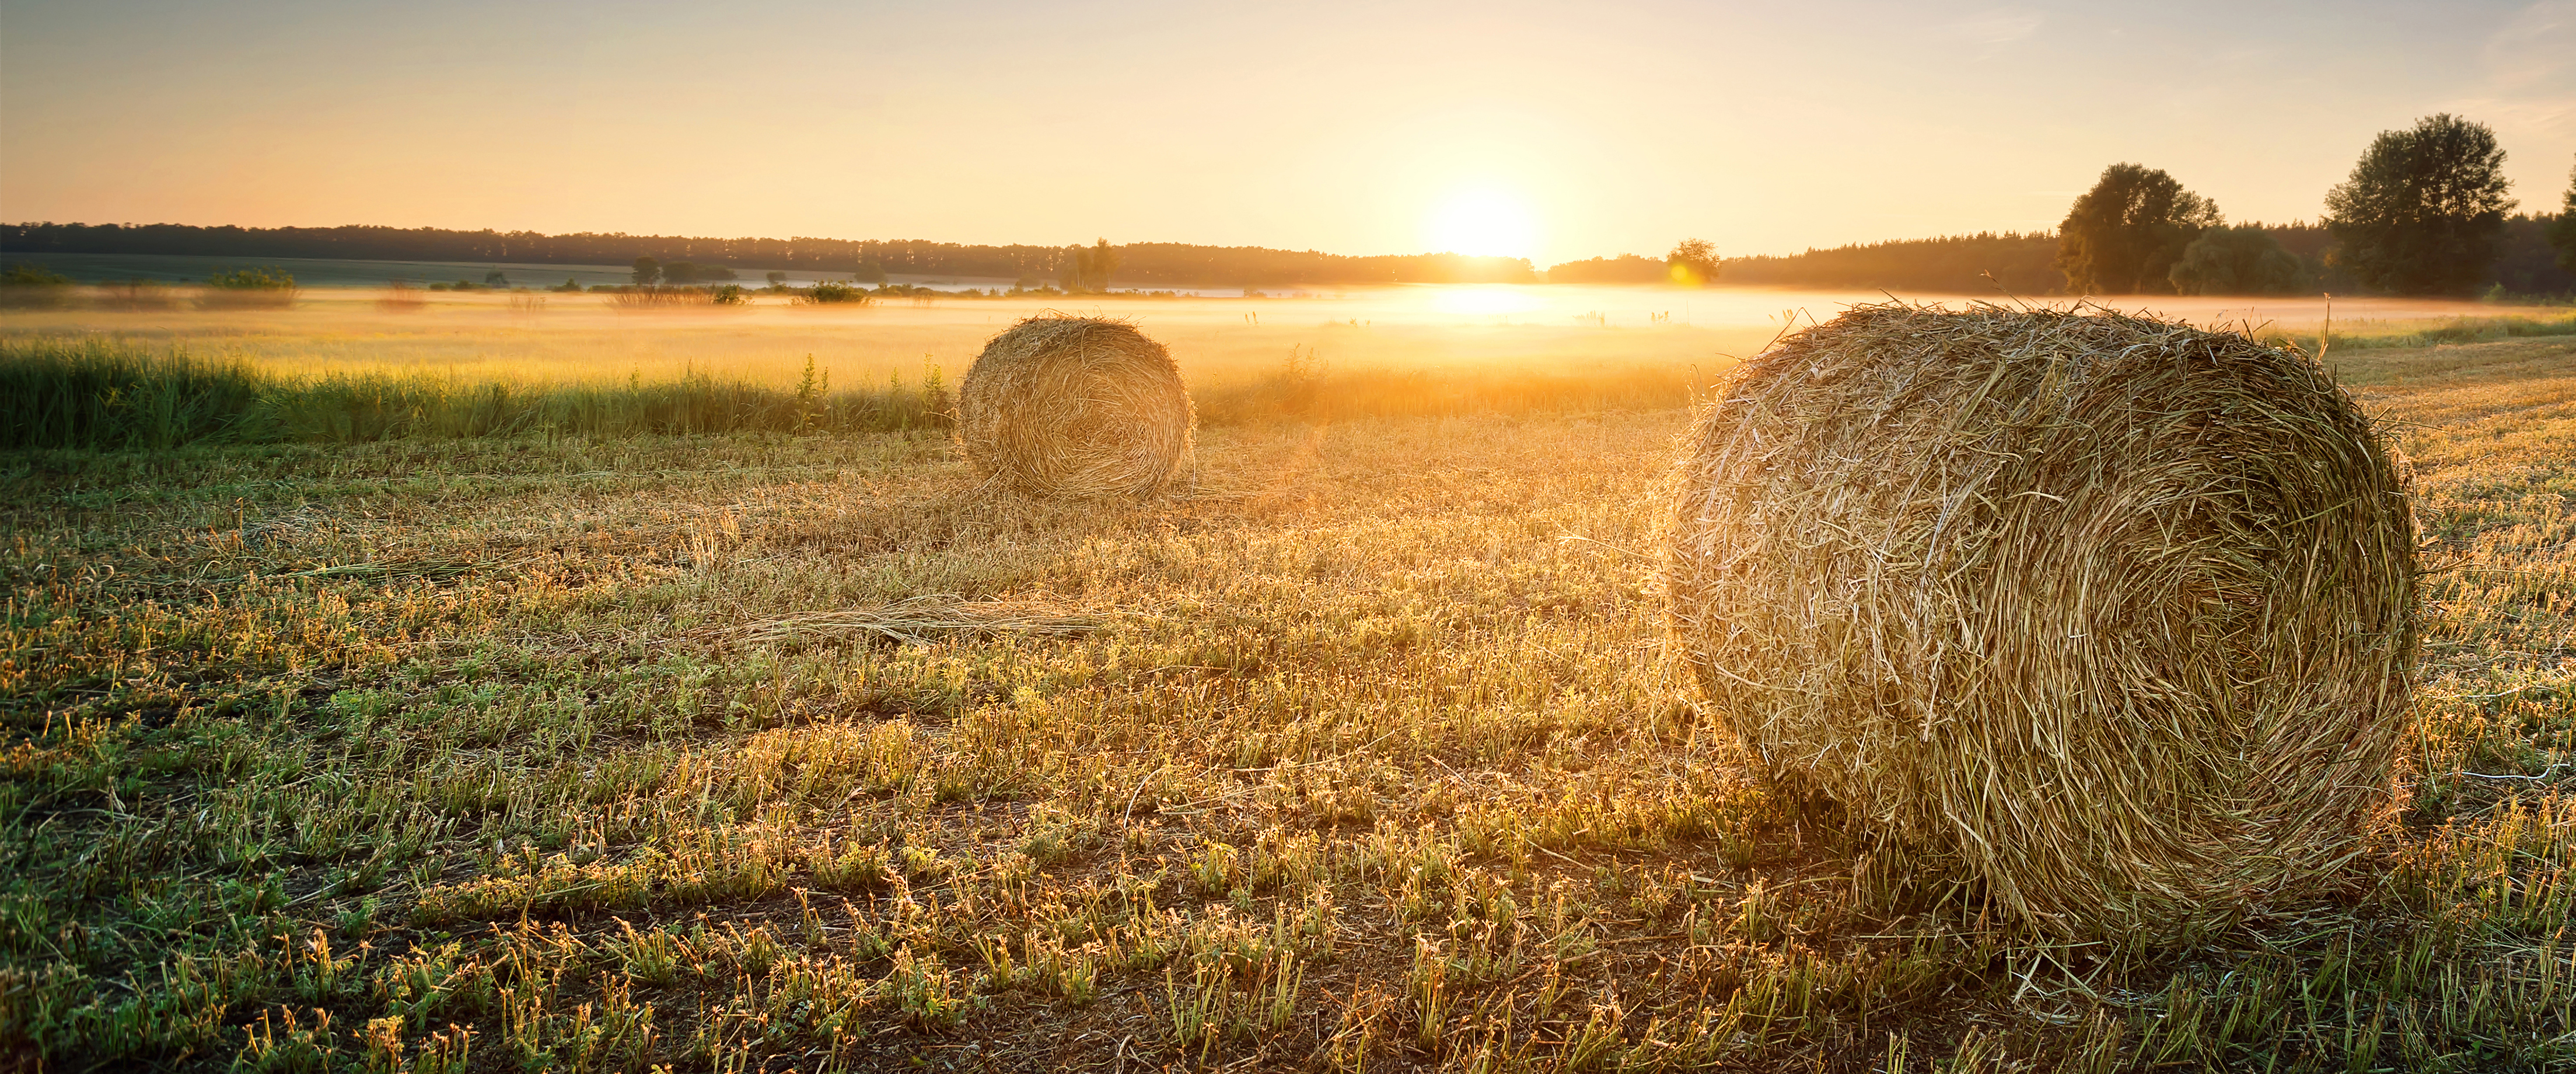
(1483, 223)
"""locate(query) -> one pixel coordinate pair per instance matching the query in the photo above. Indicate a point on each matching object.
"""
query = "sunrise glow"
(1482, 223)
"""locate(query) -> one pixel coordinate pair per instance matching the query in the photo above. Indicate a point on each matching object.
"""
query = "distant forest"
(2020, 263)
(1139, 263)
(2024, 264)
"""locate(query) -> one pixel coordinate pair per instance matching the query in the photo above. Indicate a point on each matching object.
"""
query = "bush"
(827, 293)
(24, 286)
(250, 288)
(731, 294)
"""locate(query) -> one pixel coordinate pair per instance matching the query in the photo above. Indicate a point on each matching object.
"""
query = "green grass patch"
(2456, 330)
(105, 394)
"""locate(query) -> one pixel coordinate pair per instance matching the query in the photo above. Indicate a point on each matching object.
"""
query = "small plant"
(647, 297)
(651, 958)
(401, 297)
(925, 991)
(732, 294)
(284, 1043)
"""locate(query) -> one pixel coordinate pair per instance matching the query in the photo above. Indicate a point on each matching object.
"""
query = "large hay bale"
(1076, 406)
(2114, 612)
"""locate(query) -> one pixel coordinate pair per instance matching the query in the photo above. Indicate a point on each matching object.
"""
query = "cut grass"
(474, 754)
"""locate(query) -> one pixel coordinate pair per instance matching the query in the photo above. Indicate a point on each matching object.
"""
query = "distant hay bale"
(2113, 612)
(1076, 406)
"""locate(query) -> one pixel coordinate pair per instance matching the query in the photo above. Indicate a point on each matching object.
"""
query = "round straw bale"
(1077, 406)
(2113, 613)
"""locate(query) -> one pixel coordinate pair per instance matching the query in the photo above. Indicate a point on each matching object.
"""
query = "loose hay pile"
(2113, 612)
(1076, 406)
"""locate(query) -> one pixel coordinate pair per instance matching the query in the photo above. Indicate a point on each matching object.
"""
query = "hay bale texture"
(2114, 613)
(1077, 406)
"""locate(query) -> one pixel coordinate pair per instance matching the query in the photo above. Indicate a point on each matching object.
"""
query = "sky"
(1553, 132)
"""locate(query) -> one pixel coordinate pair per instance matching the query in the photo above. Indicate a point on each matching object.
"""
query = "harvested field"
(609, 752)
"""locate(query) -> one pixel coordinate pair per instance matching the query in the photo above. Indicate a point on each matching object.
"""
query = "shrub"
(24, 286)
(828, 292)
(401, 297)
(249, 288)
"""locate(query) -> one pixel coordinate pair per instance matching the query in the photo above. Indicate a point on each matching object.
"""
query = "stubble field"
(770, 752)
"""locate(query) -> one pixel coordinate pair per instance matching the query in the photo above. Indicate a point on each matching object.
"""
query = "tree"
(777, 278)
(2423, 207)
(681, 273)
(647, 270)
(1693, 263)
(2562, 231)
(2237, 261)
(2124, 235)
(1087, 269)
(1096, 264)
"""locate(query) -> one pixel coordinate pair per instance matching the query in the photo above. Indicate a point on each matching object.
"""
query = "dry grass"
(1076, 406)
(924, 620)
(1396, 776)
(2114, 610)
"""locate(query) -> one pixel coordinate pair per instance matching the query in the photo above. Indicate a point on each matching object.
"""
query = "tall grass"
(108, 394)
(111, 394)
(95, 393)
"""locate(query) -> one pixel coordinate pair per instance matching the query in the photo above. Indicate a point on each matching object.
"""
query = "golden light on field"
(1484, 301)
(1482, 223)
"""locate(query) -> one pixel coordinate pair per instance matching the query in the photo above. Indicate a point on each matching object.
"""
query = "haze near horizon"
(1517, 130)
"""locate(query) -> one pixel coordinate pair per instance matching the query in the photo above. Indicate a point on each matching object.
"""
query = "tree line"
(1078, 267)
(2424, 212)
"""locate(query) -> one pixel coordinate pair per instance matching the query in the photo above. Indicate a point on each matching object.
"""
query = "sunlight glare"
(1482, 223)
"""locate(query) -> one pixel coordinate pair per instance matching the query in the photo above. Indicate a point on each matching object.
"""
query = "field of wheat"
(779, 749)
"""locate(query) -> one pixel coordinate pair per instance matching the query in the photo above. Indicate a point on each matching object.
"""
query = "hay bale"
(1076, 406)
(2113, 613)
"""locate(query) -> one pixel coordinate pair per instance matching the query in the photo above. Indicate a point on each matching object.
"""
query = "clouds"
(1994, 28)
(2535, 51)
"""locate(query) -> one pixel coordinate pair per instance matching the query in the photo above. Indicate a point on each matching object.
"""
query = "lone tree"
(647, 270)
(2423, 208)
(2562, 232)
(2124, 235)
(2237, 261)
(1693, 263)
